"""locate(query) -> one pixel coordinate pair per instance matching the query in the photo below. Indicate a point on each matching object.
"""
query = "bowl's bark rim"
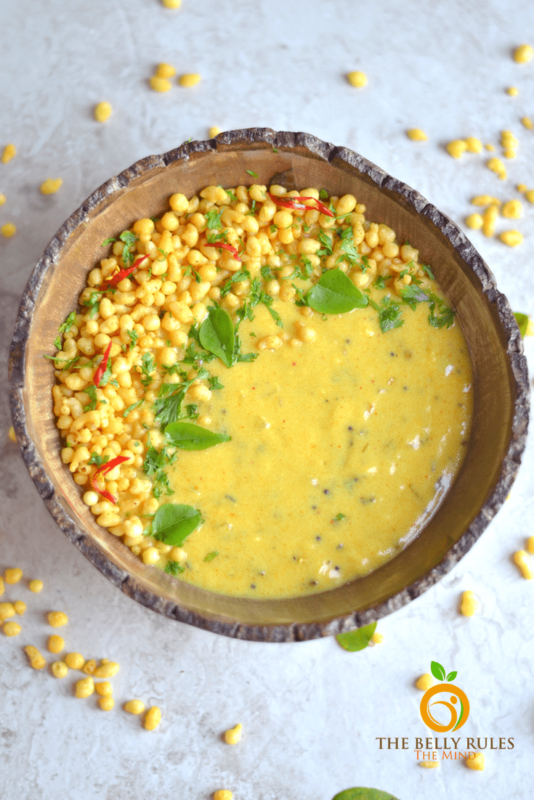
(317, 148)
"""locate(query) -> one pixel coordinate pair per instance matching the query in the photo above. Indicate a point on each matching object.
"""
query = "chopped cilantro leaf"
(133, 336)
(389, 315)
(326, 241)
(98, 460)
(215, 383)
(91, 391)
(251, 172)
(211, 556)
(174, 568)
(213, 219)
(132, 407)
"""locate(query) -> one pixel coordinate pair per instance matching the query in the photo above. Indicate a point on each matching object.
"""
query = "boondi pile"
(133, 349)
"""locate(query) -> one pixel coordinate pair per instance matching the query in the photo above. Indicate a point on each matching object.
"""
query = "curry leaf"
(334, 293)
(174, 522)
(187, 436)
(356, 640)
(522, 322)
(217, 335)
(360, 793)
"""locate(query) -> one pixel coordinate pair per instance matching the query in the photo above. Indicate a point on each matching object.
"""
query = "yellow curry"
(339, 453)
(262, 393)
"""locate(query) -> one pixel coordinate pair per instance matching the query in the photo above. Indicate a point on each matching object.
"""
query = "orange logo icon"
(457, 705)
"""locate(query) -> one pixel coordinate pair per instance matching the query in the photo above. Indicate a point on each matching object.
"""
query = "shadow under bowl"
(295, 160)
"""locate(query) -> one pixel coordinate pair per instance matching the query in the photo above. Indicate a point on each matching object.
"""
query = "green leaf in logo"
(334, 293)
(356, 640)
(174, 522)
(437, 671)
(359, 793)
(188, 436)
(217, 335)
(522, 322)
(451, 676)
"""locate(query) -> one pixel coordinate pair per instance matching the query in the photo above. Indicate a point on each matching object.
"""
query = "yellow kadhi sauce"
(340, 452)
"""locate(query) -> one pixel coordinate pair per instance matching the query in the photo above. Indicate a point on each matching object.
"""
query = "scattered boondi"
(51, 185)
(102, 111)
(357, 79)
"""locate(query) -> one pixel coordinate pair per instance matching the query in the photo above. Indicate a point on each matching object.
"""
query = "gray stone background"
(310, 711)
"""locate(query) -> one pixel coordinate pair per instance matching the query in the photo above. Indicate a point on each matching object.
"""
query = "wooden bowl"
(296, 160)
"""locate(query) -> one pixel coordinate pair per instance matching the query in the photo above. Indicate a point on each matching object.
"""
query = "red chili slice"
(320, 206)
(102, 366)
(104, 469)
(123, 273)
(289, 203)
(232, 250)
(295, 203)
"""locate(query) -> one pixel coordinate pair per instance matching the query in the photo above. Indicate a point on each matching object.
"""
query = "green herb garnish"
(334, 293)
(91, 391)
(174, 568)
(211, 556)
(213, 219)
(217, 335)
(131, 408)
(133, 337)
(187, 436)
(64, 328)
(148, 366)
(173, 523)
(214, 383)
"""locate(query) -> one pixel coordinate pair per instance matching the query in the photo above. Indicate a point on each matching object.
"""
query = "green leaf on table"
(437, 670)
(187, 436)
(522, 322)
(217, 335)
(356, 640)
(334, 293)
(251, 172)
(174, 522)
(360, 793)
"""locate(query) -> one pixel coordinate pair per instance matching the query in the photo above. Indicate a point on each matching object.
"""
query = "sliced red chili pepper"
(232, 250)
(287, 203)
(104, 469)
(320, 206)
(296, 203)
(102, 366)
(123, 273)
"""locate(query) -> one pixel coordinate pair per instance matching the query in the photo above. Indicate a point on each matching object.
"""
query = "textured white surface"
(310, 711)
